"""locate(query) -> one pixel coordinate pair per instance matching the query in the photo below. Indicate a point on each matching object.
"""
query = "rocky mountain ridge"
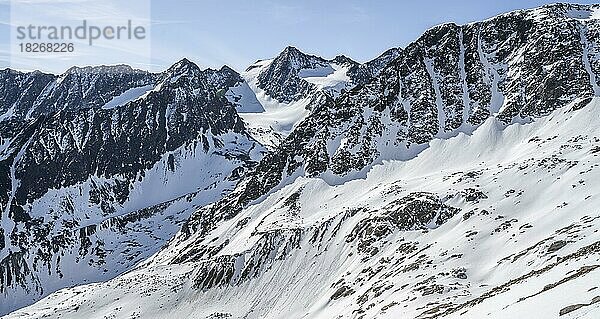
(102, 188)
(398, 113)
(473, 141)
(102, 165)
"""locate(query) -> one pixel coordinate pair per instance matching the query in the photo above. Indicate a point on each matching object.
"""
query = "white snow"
(537, 199)
(127, 96)
(492, 78)
(8, 114)
(586, 61)
(276, 120)
(332, 78)
(583, 15)
(197, 178)
(244, 99)
(320, 72)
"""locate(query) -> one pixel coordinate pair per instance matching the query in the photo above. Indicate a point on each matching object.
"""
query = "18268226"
(57, 47)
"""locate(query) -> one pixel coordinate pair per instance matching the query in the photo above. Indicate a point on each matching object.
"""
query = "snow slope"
(503, 223)
(114, 238)
(244, 99)
(332, 79)
(128, 96)
(276, 120)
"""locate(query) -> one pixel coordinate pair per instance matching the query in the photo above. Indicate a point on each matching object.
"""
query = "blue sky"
(217, 32)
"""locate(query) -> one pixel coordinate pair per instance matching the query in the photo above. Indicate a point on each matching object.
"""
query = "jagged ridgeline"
(514, 67)
(100, 165)
(442, 179)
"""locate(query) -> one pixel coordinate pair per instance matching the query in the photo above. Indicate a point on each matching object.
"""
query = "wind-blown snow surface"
(511, 231)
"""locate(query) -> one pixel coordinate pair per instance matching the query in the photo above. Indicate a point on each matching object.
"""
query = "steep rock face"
(88, 87)
(101, 189)
(19, 91)
(281, 81)
(376, 65)
(449, 81)
(361, 74)
(516, 67)
(500, 229)
(453, 182)
(85, 142)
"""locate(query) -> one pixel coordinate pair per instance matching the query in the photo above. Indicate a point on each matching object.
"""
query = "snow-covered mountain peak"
(284, 78)
(183, 64)
(183, 67)
(280, 78)
(282, 91)
(296, 58)
(9, 71)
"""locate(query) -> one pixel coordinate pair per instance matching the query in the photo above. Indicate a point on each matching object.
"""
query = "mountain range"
(455, 177)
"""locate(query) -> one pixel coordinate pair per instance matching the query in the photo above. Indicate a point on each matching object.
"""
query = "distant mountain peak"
(182, 66)
(296, 59)
(342, 59)
(226, 68)
(10, 71)
(102, 69)
(291, 50)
